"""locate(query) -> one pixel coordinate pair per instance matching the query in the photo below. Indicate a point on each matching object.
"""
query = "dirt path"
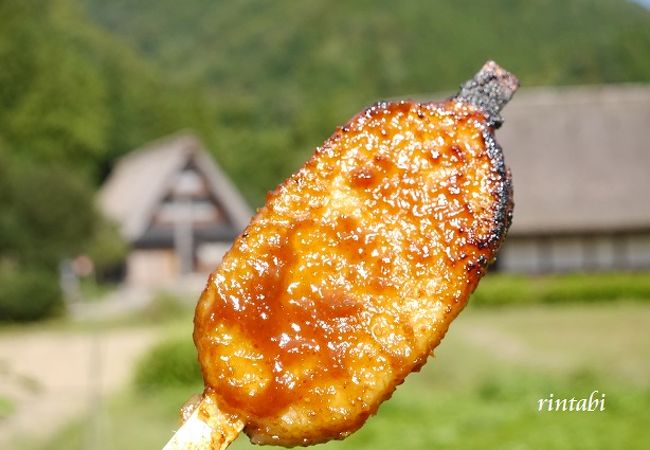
(51, 376)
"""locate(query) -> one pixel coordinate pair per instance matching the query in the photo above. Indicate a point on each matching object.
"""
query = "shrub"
(504, 289)
(171, 363)
(108, 251)
(163, 307)
(7, 407)
(29, 295)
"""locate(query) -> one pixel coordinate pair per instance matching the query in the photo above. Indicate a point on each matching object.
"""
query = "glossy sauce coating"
(349, 276)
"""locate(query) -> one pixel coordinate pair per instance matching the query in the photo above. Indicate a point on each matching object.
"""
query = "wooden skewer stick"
(207, 428)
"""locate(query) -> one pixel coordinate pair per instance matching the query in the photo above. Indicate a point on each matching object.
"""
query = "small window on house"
(189, 184)
(201, 212)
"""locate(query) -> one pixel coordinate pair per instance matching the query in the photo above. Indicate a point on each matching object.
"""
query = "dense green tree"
(46, 214)
(53, 101)
(72, 94)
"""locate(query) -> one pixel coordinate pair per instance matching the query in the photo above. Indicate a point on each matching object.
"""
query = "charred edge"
(503, 206)
(490, 89)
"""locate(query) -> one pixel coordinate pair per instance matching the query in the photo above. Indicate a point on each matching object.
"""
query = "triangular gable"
(190, 197)
(144, 179)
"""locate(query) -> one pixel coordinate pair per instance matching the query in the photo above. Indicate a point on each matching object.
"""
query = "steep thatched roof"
(580, 158)
(143, 177)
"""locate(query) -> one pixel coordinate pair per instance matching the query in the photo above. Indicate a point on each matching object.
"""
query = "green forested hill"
(414, 44)
(83, 81)
(282, 74)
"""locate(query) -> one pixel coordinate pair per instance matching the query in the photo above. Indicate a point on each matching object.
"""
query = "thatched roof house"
(580, 158)
(176, 208)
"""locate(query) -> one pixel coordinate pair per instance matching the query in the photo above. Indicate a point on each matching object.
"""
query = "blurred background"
(137, 138)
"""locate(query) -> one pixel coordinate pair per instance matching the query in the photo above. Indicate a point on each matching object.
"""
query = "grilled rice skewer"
(349, 276)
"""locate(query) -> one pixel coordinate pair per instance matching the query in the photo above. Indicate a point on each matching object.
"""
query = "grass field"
(480, 391)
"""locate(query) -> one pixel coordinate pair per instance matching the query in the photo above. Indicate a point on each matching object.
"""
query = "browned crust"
(486, 242)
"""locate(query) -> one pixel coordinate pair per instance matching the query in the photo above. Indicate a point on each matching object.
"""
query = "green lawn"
(480, 390)
(6, 407)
